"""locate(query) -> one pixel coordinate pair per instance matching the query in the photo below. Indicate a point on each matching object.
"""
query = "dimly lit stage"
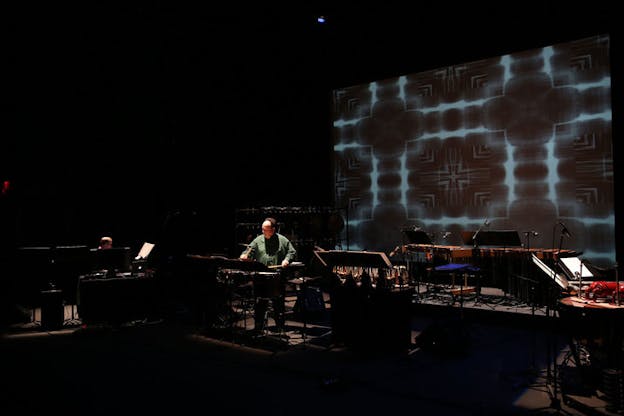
(467, 353)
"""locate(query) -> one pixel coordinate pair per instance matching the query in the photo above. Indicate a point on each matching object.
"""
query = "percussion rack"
(307, 227)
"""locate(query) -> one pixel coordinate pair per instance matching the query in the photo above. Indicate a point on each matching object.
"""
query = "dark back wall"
(127, 117)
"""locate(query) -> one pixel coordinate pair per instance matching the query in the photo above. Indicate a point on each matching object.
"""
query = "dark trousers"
(261, 308)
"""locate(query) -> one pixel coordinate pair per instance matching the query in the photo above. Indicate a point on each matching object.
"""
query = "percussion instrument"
(233, 277)
(598, 325)
(600, 290)
(457, 254)
(267, 284)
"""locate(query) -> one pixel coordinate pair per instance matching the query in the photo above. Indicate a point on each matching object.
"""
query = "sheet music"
(576, 268)
(145, 250)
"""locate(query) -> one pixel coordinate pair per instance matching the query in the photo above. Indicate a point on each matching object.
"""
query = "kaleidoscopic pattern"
(522, 140)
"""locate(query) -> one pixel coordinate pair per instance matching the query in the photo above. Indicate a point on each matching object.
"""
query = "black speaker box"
(52, 309)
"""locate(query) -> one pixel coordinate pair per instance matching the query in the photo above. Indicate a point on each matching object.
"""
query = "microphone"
(564, 230)
(486, 223)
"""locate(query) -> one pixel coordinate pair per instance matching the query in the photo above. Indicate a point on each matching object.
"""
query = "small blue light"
(320, 19)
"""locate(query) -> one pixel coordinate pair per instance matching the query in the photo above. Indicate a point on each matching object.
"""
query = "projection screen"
(515, 142)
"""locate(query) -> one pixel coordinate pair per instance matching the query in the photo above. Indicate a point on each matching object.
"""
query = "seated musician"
(270, 249)
(105, 243)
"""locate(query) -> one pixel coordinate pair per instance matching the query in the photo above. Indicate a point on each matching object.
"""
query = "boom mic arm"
(486, 223)
(564, 230)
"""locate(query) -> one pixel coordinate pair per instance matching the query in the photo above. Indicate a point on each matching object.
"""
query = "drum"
(233, 277)
(597, 325)
(267, 284)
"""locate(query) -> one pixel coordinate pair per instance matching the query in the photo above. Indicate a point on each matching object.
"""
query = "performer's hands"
(285, 263)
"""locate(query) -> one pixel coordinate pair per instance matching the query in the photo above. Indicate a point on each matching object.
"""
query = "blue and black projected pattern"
(523, 140)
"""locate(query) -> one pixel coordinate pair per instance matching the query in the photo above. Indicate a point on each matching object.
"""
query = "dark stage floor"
(466, 356)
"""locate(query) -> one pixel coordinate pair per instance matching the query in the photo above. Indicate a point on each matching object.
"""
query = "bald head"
(268, 228)
(105, 243)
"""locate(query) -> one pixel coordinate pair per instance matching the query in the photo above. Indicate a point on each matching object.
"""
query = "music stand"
(574, 270)
(139, 263)
(114, 260)
(416, 236)
(500, 238)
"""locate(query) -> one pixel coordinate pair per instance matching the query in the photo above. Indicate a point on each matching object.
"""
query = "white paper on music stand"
(575, 268)
(145, 251)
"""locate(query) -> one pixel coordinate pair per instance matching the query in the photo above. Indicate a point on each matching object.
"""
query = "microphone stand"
(558, 252)
(475, 244)
(617, 285)
(476, 258)
(553, 376)
(347, 227)
(532, 295)
(580, 280)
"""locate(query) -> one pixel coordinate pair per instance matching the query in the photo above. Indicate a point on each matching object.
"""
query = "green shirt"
(273, 251)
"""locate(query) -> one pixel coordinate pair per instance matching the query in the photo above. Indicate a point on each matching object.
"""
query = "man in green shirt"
(273, 250)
